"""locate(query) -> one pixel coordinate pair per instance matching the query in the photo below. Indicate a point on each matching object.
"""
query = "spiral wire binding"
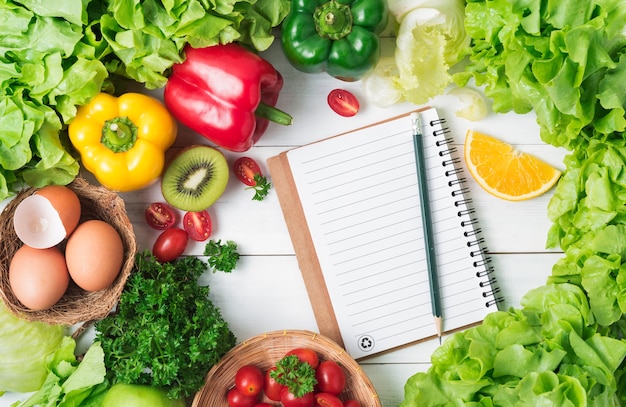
(475, 243)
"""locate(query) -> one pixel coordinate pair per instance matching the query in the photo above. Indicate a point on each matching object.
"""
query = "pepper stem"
(273, 114)
(119, 134)
(333, 20)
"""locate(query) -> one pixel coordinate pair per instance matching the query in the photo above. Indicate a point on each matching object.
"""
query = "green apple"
(136, 395)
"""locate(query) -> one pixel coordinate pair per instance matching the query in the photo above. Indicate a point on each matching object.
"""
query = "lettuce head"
(24, 348)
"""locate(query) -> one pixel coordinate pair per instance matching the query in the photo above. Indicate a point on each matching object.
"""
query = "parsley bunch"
(166, 331)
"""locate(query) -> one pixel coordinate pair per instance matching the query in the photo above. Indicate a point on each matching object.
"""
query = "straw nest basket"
(267, 349)
(76, 305)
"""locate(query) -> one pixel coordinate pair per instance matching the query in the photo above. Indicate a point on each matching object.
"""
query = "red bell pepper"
(225, 93)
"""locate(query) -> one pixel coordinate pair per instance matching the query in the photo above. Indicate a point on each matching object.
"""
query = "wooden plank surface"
(267, 293)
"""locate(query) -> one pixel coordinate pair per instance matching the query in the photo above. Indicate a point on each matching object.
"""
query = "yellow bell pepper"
(122, 140)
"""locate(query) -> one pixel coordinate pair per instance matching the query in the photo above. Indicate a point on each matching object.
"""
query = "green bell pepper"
(340, 37)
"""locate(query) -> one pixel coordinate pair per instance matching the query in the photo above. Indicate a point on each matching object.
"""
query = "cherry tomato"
(160, 215)
(351, 403)
(343, 102)
(170, 244)
(198, 225)
(263, 405)
(245, 169)
(306, 355)
(272, 388)
(289, 400)
(236, 399)
(327, 400)
(249, 380)
(330, 377)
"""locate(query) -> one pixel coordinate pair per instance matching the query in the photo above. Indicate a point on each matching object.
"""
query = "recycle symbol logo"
(366, 343)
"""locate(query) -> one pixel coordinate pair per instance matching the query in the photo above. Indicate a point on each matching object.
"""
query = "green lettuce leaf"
(149, 36)
(564, 60)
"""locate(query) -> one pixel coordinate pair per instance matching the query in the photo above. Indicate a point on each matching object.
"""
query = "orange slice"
(505, 172)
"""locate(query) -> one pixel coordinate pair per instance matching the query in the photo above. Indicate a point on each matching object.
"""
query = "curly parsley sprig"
(222, 256)
(297, 375)
(261, 187)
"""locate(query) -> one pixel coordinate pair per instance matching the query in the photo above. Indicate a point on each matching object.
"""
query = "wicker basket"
(265, 350)
(76, 305)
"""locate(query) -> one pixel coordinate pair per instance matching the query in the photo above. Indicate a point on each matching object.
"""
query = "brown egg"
(94, 255)
(38, 277)
(48, 216)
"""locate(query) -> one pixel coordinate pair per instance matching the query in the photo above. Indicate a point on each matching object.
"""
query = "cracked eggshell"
(48, 216)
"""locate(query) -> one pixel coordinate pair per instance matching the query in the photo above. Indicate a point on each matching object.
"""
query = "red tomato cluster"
(252, 385)
(172, 242)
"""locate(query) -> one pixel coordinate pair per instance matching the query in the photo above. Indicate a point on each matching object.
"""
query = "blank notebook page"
(360, 197)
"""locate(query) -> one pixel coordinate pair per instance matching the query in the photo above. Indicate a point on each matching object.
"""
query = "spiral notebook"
(351, 205)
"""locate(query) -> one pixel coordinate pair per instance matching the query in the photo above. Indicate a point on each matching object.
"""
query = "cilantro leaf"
(222, 256)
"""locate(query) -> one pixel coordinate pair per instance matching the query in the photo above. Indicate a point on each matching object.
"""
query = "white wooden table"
(266, 291)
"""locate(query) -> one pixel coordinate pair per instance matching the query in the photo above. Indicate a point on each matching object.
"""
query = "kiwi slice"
(195, 179)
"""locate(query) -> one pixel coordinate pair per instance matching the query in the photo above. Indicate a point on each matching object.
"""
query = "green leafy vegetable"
(47, 67)
(71, 382)
(166, 332)
(430, 40)
(261, 187)
(55, 57)
(24, 347)
(222, 256)
(566, 60)
(148, 36)
(297, 375)
(550, 352)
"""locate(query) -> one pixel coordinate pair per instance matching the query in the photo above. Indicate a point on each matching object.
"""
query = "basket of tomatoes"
(290, 368)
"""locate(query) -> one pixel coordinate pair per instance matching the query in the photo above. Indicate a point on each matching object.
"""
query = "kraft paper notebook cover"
(351, 205)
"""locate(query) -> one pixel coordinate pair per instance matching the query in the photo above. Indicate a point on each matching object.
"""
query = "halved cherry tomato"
(170, 244)
(271, 387)
(306, 355)
(236, 399)
(249, 380)
(343, 102)
(160, 215)
(245, 169)
(327, 400)
(351, 403)
(289, 400)
(198, 225)
(330, 377)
